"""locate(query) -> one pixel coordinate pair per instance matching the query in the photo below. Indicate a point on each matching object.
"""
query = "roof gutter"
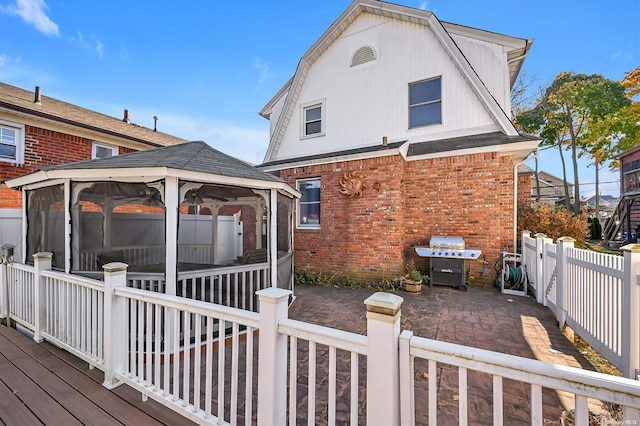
(75, 123)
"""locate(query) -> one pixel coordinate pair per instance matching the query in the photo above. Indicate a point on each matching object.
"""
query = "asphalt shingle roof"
(465, 142)
(194, 156)
(22, 101)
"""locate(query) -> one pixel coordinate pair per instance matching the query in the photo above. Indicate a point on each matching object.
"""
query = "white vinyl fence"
(202, 360)
(596, 294)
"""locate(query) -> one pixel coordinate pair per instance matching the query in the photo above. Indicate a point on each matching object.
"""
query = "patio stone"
(482, 317)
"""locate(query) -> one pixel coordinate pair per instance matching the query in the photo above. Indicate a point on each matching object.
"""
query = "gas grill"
(448, 255)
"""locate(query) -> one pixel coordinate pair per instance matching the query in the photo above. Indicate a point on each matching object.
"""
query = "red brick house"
(395, 128)
(38, 131)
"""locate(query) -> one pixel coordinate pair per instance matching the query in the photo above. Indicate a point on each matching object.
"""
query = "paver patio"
(482, 318)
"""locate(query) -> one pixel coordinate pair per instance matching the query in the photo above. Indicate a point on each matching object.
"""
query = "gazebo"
(188, 220)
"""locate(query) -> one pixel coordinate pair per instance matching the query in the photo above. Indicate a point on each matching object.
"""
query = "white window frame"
(19, 143)
(303, 118)
(430, 102)
(300, 220)
(96, 145)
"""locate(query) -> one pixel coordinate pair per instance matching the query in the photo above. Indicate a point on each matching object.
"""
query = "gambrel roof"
(516, 49)
(23, 102)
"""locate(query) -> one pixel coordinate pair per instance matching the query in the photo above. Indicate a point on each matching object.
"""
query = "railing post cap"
(43, 255)
(271, 293)
(384, 303)
(115, 267)
(567, 239)
(540, 235)
(632, 248)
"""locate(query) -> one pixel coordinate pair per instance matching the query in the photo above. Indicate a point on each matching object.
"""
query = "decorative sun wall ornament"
(352, 184)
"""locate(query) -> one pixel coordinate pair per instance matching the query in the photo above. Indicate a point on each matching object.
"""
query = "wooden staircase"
(624, 225)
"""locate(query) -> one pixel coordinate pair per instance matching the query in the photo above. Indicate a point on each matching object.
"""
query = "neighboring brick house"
(38, 131)
(395, 128)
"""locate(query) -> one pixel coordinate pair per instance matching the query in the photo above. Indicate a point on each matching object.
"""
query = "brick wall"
(43, 148)
(370, 238)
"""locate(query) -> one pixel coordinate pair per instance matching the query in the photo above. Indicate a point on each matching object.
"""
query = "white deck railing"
(20, 289)
(172, 357)
(596, 294)
(200, 359)
(334, 351)
(537, 375)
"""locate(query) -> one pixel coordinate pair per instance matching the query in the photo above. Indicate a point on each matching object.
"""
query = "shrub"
(554, 223)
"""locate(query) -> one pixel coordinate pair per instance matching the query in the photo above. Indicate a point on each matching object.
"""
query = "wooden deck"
(42, 384)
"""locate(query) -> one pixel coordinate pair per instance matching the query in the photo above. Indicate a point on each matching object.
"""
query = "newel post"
(383, 370)
(272, 362)
(630, 311)
(115, 325)
(564, 243)
(41, 262)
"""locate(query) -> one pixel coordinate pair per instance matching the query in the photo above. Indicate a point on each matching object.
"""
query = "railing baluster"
(186, 359)
(293, 379)
(497, 401)
(234, 373)
(196, 362)
(208, 368)
(311, 386)
(221, 366)
(332, 385)
(536, 404)
(248, 409)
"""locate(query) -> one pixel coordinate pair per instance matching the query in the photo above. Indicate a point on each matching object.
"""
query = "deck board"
(43, 384)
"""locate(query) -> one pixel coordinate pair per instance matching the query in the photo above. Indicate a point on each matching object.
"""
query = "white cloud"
(424, 5)
(621, 54)
(265, 72)
(33, 12)
(92, 45)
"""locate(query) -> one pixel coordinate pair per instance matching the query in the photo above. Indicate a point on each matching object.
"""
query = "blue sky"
(206, 68)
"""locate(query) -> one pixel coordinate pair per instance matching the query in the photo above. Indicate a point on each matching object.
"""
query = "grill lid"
(446, 242)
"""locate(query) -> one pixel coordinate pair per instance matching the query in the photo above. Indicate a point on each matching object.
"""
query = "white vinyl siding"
(365, 103)
(11, 142)
(308, 207)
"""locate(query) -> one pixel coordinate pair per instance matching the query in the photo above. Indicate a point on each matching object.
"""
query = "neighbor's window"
(313, 119)
(309, 203)
(425, 103)
(103, 151)
(11, 142)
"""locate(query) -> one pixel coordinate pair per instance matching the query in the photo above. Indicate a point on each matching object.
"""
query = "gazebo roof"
(191, 160)
(195, 156)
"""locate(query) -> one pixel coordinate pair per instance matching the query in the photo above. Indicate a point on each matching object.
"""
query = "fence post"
(272, 362)
(539, 277)
(115, 324)
(564, 243)
(630, 311)
(41, 262)
(383, 371)
(4, 292)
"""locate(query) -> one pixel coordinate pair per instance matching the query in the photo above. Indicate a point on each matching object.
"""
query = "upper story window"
(11, 142)
(313, 119)
(103, 151)
(309, 204)
(425, 103)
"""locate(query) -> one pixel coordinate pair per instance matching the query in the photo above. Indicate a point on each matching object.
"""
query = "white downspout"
(515, 197)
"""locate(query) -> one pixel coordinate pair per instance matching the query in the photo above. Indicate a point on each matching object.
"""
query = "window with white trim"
(313, 119)
(425, 103)
(309, 204)
(11, 142)
(103, 151)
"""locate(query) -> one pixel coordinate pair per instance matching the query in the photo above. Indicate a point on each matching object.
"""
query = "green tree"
(570, 113)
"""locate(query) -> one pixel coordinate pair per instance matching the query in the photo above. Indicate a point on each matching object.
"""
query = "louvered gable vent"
(362, 56)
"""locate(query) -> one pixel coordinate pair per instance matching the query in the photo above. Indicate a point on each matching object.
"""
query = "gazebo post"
(171, 202)
(273, 237)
